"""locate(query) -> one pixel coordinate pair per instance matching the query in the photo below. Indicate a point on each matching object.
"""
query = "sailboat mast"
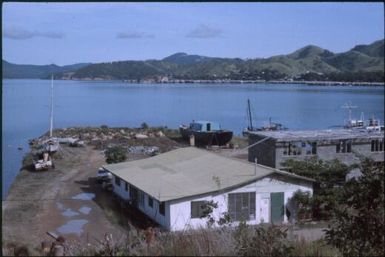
(51, 116)
(249, 112)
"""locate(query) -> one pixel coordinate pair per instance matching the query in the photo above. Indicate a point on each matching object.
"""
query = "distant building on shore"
(343, 144)
(174, 189)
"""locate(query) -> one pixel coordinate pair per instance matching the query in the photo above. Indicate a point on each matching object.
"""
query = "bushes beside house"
(330, 177)
(115, 154)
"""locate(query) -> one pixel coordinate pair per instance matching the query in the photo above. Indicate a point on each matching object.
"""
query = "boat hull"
(52, 145)
(217, 137)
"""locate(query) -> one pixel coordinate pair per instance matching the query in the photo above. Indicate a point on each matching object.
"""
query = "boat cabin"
(204, 126)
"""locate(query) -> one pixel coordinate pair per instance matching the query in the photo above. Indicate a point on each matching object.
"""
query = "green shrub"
(358, 227)
(314, 249)
(115, 154)
(302, 203)
(329, 175)
(262, 241)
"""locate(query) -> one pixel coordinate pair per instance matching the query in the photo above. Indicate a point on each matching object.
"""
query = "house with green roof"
(172, 188)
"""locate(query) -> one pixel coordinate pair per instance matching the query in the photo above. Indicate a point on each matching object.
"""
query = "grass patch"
(316, 248)
(242, 142)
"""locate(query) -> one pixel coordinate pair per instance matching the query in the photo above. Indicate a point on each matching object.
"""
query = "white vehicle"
(103, 175)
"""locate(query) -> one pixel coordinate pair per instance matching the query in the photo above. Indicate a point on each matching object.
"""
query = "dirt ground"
(39, 202)
(68, 200)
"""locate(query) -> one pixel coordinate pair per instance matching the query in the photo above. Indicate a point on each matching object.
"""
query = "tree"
(300, 205)
(115, 154)
(144, 125)
(330, 175)
(358, 227)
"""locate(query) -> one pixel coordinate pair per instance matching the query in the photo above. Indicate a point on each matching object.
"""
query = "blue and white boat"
(206, 133)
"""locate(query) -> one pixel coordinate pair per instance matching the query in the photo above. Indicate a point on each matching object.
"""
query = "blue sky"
(67, 33)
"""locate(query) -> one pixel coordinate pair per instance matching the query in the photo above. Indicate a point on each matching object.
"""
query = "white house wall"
(121, 190)
(151, 212)
(275, 184)
(180, 210)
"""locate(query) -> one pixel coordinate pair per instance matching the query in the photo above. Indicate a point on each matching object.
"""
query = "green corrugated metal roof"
(186, 172)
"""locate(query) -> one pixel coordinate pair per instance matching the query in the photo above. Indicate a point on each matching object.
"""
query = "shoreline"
(220, 81)
(53, 200)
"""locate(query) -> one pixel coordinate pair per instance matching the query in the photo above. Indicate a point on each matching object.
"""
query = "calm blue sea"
(26, 108)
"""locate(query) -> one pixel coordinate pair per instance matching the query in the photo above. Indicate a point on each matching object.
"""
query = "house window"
(310, 148)
(126, 187)
(293, 148)
(117, 181)
(196, 126)
(344, 146)
(314, 148)
(377, 145)
(141, 198)
(242, 206)
(150, 201)
(162, 208)
(197, 209)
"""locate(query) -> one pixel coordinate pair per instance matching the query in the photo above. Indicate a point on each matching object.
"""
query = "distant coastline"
(223, 81)
(312, 65)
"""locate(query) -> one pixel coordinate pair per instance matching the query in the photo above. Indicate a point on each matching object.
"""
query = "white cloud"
(133, 35)
(204, 31)
(21, 34)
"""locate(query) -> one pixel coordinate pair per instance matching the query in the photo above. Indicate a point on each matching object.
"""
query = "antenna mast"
(51, 116)
(350, 107)
(249, 112)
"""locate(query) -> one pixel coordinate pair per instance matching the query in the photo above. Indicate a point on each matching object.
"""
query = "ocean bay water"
(80, 103)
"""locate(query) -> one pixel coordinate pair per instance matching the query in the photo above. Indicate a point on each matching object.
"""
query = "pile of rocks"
(103, 133)
(102, 137)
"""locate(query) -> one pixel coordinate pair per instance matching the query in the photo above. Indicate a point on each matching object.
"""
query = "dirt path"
(67, 201)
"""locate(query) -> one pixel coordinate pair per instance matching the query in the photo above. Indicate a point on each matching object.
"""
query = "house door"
(134, 196)
(264, 207)
(277, 207)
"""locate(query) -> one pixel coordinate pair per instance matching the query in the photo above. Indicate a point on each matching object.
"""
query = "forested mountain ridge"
(20, 71)
(361, 63)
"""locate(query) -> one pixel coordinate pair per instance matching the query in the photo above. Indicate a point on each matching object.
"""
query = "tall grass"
(316, 248)
(242, 241)
(245, 240)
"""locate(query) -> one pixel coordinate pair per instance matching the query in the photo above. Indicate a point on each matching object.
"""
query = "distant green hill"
(368, 59)
(20, 71)
(183, 58)
(361, 63)
(375, 49)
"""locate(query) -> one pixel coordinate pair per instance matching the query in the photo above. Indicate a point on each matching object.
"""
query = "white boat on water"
(372, 125)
